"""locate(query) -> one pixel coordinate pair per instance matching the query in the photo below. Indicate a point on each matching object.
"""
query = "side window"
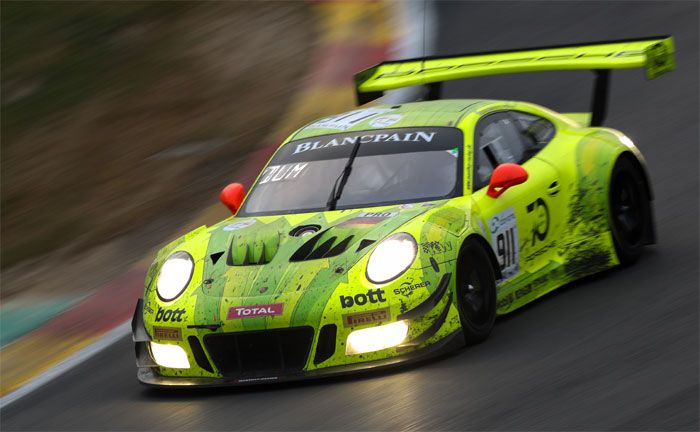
(536, 132)
(498, 140)
(507, 137)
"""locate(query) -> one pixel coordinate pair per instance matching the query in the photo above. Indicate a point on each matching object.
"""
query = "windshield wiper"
(342, 178)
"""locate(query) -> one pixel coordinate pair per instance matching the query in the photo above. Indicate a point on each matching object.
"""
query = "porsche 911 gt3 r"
(395, 232)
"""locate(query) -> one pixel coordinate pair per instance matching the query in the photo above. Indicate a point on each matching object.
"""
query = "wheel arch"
(481, 241)
(639, 162)
(641, 165)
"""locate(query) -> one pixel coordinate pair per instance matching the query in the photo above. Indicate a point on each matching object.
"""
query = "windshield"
(392, 166)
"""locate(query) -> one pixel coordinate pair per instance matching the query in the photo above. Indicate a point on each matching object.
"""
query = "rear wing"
(654, 54)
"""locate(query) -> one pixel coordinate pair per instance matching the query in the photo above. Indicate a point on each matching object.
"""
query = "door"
(524, 222)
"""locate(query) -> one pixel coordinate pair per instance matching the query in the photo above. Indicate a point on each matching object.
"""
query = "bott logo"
(372, 296)
(166, 315)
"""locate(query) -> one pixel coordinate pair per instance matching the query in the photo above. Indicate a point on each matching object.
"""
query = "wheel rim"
(627, 209)
(475, 298)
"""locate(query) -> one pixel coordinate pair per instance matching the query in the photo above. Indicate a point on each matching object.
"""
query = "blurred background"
(121, 121)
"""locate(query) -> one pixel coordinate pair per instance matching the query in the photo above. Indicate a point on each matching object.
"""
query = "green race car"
(396, 232)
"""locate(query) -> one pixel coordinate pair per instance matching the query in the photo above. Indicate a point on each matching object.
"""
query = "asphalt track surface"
(616, 351)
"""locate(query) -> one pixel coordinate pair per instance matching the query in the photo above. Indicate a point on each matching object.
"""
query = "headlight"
(174, 275)
(376, 338)
(393, 256)
(171, 356)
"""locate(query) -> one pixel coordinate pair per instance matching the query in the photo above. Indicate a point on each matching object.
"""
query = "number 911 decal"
(504, 241)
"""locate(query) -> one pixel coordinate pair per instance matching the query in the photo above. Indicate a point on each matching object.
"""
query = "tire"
(476, 292)
(629, 210)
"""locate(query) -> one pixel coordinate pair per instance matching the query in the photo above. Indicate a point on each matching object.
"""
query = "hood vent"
(215, 257)
(330, 247)
(257, 252)
(364, 243)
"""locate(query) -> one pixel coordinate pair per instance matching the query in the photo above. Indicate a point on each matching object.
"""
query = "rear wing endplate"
(654, 54)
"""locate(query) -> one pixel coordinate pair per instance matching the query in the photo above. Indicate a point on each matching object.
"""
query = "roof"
(414, 114)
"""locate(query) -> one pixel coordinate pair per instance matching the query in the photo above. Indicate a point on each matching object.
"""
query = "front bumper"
(226, 355)
(150, 376)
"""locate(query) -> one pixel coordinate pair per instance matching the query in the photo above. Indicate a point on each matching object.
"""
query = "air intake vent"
(363, 244)
(198, 354)
(215, 257)
(325, 348)
(243, 252)
(260, 353)
(315, 248)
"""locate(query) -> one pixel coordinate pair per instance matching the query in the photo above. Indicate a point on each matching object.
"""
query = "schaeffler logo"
(372, 296)
(238, 312)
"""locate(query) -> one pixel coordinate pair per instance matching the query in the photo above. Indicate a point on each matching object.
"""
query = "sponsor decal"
(321, 143)
(658, 60)
(239, 312)
(382, 215)
(385, 121)
(147, 308)
(167, 333)
(406, 206)
(407, 287)
(169, 315)
(435, 247)
(504, 241)
(540, 225)
(368, 218)
(372, 296)
(243, 380)
(361, 318)
(538, 253)
(239, 225)
(453, 152)
(279, 173)
(347, 120)
(521, 292)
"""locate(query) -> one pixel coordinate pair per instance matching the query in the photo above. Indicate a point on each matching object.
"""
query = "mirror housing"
(232, 196)
(505, 176)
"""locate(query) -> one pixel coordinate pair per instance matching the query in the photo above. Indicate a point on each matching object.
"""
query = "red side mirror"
(232, 196)
(505, 176)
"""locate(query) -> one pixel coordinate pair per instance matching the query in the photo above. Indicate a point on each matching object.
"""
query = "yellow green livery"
(393, 233)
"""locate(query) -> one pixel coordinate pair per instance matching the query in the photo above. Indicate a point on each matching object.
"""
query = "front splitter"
(150, 376)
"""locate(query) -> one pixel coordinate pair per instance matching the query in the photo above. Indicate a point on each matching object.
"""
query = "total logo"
(372, 296)
(167, 315)
(255, 311)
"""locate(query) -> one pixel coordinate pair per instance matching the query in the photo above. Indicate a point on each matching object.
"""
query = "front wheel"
(630, 210)
(476, 293)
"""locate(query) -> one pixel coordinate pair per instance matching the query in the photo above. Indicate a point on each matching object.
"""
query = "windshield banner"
(384, 141)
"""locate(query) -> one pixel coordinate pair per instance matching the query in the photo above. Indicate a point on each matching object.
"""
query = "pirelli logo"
(167, 333)
(360, 318)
